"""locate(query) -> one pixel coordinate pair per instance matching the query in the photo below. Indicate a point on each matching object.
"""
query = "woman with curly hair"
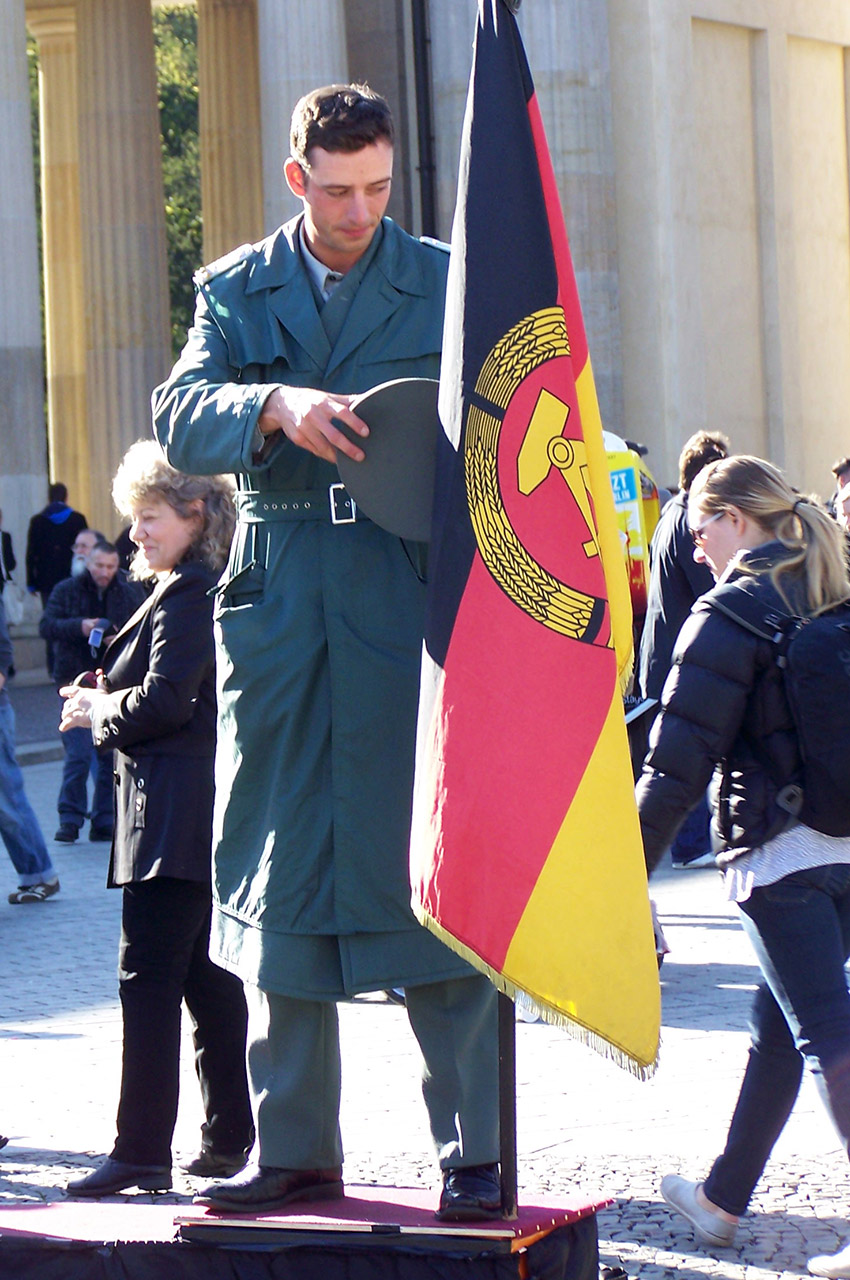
(726, 717)
(154, 704)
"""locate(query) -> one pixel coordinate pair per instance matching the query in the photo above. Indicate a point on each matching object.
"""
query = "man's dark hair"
(57, 493)
(103, 545)
(339, 117)
(840, 466)
(702, 448)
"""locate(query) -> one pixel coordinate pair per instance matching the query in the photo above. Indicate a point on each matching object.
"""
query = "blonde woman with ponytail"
(726, 718)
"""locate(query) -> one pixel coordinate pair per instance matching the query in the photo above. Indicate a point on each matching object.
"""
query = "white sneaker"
(710, 1228)
(835, 1266)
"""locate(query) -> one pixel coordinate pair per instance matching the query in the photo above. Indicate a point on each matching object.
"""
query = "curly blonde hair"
(144, 473)
(798, 521)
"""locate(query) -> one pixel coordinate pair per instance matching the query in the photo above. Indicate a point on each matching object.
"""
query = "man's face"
(345, 195)
(83, 543)
(103, 566)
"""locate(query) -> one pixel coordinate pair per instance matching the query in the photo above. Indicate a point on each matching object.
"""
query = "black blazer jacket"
(159, 716)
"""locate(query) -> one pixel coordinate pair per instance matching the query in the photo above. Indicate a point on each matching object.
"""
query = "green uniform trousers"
(294, 1073)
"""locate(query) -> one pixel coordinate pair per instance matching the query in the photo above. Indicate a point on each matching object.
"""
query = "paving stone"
(582, 1122)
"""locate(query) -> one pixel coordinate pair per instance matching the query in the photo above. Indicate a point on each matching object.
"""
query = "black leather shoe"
(67, 833)
(99, 835)
(471, 1194)
(262, 1189)
(115, 1175)
(215, 1164)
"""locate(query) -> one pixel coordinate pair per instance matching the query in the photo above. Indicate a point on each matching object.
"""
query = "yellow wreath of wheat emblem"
(539, 337)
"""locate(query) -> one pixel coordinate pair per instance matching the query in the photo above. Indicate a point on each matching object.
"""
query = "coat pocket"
(246, 586)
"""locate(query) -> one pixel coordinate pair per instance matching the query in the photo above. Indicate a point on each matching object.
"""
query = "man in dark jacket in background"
(49, 541)
(81, 613)
(676, 581)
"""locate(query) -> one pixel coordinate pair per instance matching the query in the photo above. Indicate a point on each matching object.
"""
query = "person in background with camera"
(81, 612)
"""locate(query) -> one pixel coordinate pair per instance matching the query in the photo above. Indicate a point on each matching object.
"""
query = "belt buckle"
(338, 504)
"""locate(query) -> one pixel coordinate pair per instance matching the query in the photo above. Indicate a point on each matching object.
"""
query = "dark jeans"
(693, 837)
(80, 760)
(163, 960)
(800, 929)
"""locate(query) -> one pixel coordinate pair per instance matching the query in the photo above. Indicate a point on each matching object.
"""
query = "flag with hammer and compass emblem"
(526, 853)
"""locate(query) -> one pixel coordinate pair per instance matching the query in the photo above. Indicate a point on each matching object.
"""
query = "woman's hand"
(76, 713)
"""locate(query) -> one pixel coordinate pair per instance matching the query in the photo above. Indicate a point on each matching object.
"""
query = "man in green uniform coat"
(319, 625)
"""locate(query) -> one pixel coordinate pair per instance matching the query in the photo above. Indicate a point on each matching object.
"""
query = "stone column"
(567, 49)
(658, 212)
(68, 439)
(23, 488)
(452, 28)
(302, 46)
(123, 220)
(380, 51)
(231, 146)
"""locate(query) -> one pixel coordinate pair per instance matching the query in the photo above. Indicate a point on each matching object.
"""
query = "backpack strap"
(766, 621)
(775, 625)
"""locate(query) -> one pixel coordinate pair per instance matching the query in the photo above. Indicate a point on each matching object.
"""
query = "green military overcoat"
(318, 628)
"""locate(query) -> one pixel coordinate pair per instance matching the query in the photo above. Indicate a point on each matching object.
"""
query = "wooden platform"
(373, 1232)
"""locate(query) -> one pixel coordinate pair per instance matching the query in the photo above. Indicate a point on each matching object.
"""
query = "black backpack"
(814, 655)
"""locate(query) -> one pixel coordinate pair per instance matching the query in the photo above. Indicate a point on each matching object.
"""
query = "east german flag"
(526, 853)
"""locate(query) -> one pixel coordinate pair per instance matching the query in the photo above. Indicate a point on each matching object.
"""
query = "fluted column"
(231, 146)
(67, 427)
(23, 455)
(302, 46)
(567, 48)
(123, 220)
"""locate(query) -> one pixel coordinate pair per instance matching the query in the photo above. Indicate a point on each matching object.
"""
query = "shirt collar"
(323, 278)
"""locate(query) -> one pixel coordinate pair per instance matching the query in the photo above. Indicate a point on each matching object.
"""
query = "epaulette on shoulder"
(232, 259)
(435, 244)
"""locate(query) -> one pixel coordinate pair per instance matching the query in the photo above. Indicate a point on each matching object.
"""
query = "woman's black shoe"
(115, 1175)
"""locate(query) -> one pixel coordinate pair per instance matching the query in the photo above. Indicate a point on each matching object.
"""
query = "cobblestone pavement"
(582, 1121)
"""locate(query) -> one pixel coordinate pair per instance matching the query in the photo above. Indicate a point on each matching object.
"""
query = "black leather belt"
(334, 504)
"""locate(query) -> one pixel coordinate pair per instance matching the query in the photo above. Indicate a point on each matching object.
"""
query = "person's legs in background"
(73, 794)
(102, 807)
(37, 878)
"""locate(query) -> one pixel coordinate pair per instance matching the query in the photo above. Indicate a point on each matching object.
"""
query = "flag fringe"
(555, 1017)
(626, 674)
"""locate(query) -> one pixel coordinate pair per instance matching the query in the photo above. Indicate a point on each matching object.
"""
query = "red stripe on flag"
(505, 785)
